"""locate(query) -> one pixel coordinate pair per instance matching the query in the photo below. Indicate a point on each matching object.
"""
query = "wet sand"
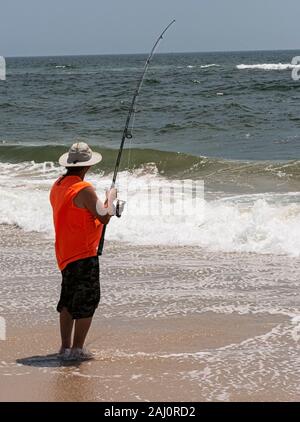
(135, 360)
(178, 334)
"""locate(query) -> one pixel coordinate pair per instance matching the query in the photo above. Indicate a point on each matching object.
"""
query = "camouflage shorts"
(80, 288)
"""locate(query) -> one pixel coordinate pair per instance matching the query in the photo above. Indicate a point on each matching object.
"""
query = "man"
(78, 217)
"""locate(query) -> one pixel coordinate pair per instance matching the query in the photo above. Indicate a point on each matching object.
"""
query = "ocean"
(229, 119)
(217, 291)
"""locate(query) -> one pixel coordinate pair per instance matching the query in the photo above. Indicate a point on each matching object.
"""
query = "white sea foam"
(269, 66)
(205, 66)
(262, 223)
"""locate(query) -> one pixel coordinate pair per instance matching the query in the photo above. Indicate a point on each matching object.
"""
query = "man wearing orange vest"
(79, 217)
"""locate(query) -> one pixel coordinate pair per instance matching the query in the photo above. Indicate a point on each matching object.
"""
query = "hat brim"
(96, 158)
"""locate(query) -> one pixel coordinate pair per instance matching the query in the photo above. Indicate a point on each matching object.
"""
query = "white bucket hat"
(80, 155)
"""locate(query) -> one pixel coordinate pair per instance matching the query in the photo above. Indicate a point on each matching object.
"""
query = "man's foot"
(80, 354)
(64, 352)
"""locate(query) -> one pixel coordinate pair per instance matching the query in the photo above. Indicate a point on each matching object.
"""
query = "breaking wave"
(269, 66)
(260, 222)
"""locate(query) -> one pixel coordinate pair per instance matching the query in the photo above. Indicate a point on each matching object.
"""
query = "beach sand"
(174, 324)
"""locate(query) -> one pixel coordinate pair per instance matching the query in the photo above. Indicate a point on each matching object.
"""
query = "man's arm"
(87, 198)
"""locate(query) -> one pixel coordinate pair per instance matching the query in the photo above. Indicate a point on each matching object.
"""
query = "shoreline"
(140, 361)
(174, 324)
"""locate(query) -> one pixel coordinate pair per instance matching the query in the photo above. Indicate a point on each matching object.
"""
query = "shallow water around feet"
(174, 324)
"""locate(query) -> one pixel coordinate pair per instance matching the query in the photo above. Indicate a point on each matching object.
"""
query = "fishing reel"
(120, 208)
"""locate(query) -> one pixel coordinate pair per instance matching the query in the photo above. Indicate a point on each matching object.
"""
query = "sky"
(70, 27)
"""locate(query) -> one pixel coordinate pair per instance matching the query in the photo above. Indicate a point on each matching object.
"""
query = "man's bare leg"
(66, 327)
(82, 327)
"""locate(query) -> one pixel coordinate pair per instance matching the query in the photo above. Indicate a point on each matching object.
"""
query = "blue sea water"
(200, 104)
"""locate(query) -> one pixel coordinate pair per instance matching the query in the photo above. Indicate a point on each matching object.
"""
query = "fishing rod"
(127, 133)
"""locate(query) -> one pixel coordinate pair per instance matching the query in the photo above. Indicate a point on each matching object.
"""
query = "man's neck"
(80, 175)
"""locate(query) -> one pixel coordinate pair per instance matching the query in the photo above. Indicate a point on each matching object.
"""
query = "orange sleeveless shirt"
(77, 231)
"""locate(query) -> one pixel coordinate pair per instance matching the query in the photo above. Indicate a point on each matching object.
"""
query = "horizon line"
(158, 53)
